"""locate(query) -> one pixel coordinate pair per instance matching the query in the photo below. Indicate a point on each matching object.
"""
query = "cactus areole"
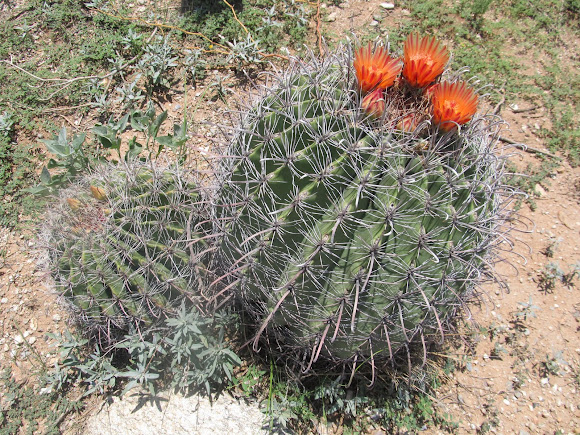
(346, 236)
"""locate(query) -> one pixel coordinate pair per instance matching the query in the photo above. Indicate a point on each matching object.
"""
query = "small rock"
(18, 340)
(539, 190)
(56, 317)
(32, 340)
(331, 17)
(388, 6)
(507, 402)
(4, 301)
(374, 23)
(377, 17)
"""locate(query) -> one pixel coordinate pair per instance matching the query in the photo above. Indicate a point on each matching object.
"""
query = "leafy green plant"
(70, 159)
(25, 408)
(188, 352)
(527, 310)
(553, 244)
(552, 273)
(195, 65)
(157, 62)
(6, 124)
(473, 10)
(249, 381)
(569, 278)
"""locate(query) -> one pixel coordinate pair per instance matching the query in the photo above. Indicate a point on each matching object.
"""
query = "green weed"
(27, 409)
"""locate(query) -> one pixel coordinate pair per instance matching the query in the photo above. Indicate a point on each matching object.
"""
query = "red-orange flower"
(374, 103)
(453, 104)
(425, 59)
(375, 70)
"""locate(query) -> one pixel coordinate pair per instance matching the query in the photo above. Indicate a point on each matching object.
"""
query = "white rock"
(178, 415)
(374, 23)
(388, 6)
(331, 17)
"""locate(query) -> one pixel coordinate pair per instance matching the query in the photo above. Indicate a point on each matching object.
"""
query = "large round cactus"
(360, 211)
(126, 246)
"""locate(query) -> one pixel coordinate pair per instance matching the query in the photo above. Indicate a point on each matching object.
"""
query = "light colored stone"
(388, 6)
(331, 17)
(134, 414)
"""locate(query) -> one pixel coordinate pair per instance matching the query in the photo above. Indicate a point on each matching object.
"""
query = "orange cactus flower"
(374, 103)
(453, 104)
(425, 59)
(375, 70)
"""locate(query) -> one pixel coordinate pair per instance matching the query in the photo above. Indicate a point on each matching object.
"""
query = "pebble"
(331, 17)
(388, 6)
(56, 317)
(4, 301)
(374, 23)
(18, 340)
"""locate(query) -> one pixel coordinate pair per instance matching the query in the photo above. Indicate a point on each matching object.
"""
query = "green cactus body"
(345, 240)
(132, 257)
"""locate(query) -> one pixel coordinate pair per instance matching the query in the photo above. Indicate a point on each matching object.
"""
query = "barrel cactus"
(126, 246)
(360, 207)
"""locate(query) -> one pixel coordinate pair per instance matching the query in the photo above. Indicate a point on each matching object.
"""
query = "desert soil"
(519, 372)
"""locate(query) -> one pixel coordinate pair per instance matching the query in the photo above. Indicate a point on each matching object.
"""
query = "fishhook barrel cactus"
(127, 246)
(355, 227)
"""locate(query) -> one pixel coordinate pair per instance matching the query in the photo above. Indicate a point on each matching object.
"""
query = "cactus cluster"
(127, 245)
(357, 206)
(357, 215)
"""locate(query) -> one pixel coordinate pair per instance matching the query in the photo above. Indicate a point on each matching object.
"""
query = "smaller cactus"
(126, 246)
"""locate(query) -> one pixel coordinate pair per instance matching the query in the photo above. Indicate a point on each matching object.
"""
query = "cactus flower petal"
(375, 70)
(425, 60)
(453, 104)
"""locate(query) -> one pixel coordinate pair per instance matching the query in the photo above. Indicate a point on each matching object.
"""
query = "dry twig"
(529, 149)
